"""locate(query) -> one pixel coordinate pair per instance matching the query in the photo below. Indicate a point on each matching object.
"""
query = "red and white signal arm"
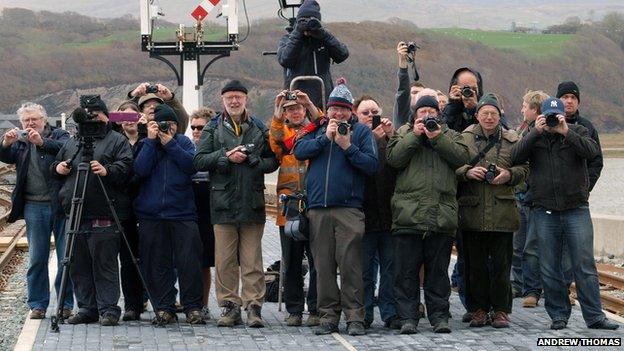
(203, 10)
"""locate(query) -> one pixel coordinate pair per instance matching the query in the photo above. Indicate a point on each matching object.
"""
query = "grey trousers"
(336, 241)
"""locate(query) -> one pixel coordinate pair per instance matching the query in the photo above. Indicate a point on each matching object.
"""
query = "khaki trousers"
(336, 241)
(238, 252)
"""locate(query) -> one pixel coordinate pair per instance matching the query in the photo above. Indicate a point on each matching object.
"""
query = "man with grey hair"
(35, 199)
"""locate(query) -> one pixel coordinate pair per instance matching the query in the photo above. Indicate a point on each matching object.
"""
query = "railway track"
(611, 288)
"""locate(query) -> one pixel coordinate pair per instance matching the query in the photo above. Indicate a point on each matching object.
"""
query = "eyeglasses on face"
(369, 112)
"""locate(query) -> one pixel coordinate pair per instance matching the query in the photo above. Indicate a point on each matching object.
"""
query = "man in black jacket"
(569, 93)
(308, 51)
(35, 198)
(557, 153)
(94, 269)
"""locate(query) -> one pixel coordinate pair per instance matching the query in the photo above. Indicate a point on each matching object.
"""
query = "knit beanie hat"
(568, 87)
(165, 113)
(234, 85)
(341, 96)
(488, 99)
(309, 8)
(427, 101)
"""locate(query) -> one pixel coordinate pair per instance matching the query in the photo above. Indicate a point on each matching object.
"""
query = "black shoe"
(81, 318)
(467, 317)
(393, 323)
(604, 324)
(558, 325)
(109, 320)
(367, 323)
(131, 315)
(408, 326)
(326, 328)
(442, 327)
(356, 328)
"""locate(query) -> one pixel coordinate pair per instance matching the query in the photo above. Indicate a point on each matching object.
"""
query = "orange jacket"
(292, 172)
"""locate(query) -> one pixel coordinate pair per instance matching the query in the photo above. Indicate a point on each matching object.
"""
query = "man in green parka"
(488, 215)
(424, 213)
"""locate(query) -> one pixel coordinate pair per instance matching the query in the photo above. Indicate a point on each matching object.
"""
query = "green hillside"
(529, 44)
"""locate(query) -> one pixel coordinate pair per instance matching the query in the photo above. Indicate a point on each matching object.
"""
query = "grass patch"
(528, 44)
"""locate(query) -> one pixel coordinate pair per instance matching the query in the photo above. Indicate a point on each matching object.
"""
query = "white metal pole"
(191, 91)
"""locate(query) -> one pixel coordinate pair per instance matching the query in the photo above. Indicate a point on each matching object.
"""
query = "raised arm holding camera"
(35, 198)
(464, 93)
(148, 96)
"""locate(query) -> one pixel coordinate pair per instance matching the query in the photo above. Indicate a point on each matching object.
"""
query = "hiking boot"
(530, 301)
(195, 317)
(254, 317)
(442, 327)
(294, 320)
(230, 316)
(37, 313)
(500, 320)
(408, 326)
(356, 328)
(326, 328)
(205, 312)
(67, 312)
(131, 315)
(604, 324)
(163, 318)
(313, 320)
(81, 318)
(479, 319)
(109, 320)
(558, 325)
(467, 317)
(393, 323)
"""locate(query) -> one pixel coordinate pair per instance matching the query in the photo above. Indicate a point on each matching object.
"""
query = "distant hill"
(45, 53)
(484, 14)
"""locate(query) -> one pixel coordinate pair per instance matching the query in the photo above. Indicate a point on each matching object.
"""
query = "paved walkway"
(527, 326)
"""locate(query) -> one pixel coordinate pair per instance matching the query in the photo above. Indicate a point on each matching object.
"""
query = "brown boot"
(37, 313)
(254, 316)
(479, 319)
(530, 301)
(500, 320)
(231, 315)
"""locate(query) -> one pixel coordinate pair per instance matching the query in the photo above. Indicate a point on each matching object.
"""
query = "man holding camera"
(424, 219)
(35, 198)
(309, 50)
(168, 231)
(488, 215)
(465, 91)
(94, 269)
(558, 155)
(148, 96)
(340, 154)
(292, 109)
(234, 148)
(405, 99)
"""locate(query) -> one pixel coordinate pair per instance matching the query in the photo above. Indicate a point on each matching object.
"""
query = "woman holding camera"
(488, 214)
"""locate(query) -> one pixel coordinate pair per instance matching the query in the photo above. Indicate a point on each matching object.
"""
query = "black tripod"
(75, 219)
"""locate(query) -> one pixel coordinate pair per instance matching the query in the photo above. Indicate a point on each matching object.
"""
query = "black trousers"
(292, 254)
(488, 265)
(131, 285)
(411, 251)
(165, 245)
(94, 271)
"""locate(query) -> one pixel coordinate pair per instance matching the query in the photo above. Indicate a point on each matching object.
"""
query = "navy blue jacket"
(19, 154)
(165, 172)
(336, 177)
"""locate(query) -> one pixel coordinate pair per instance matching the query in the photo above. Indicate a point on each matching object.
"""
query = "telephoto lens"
(431, 123)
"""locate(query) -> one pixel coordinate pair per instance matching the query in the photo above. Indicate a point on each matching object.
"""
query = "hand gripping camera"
(551, 120)
(491, 173)
(343, 128)
(252, 159)
(466, 91)
(431, 123)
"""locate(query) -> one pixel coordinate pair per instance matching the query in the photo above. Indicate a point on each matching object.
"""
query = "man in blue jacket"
(168, 232)
(35, 198)
(340, 154)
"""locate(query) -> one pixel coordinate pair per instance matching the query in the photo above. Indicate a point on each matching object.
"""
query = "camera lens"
(467, 92)
(163, 126)
(431, 124)
(343, 128)
(552, 121)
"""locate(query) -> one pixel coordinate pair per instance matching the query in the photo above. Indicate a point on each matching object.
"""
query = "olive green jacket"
(482, 206)
(424, 198)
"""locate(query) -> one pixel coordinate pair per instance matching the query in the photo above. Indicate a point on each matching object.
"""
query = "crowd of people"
(383, 199)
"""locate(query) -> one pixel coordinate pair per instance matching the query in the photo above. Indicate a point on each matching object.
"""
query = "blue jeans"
(378, 244)
(40, 222)
(525, 264)
(571, 229)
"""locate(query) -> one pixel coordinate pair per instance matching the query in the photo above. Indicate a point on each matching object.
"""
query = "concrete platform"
(527, 325)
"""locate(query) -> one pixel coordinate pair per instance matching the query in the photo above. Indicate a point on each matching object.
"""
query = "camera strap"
(482, 153)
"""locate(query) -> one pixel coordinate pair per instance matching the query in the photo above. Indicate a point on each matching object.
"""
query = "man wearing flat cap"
(234, 148)
(168, 232)
(148, 101)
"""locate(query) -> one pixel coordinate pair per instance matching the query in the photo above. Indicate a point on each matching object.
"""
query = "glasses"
(489, 114)
(31, 120)
(369, 112)
(235, 97)
(197, 127)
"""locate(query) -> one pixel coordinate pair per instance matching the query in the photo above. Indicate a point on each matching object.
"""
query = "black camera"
(466, 91)
(552, 121)
(86, 116)
(491, 173)
(151, 89)
(343, 128)
(308, 23)
(431, 123)
(412, 47)
(163, 126)
(291, 96)
(248, 150)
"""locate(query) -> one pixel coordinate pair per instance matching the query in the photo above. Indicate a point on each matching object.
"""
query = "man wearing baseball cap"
(557, 153)
(148, 96)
